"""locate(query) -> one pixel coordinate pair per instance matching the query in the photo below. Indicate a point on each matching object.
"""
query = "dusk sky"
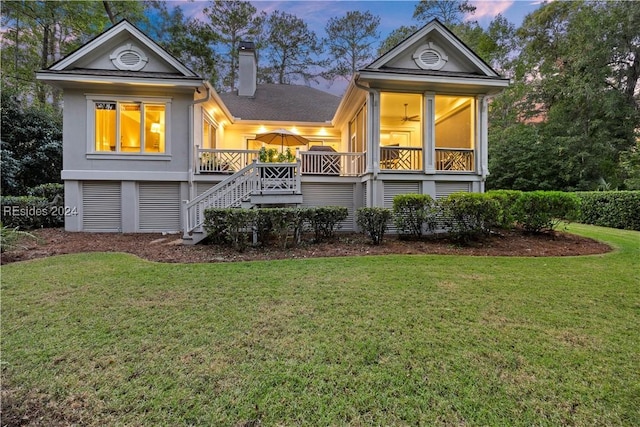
(393, 13)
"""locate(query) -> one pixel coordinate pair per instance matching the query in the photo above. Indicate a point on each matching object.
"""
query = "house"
(148, 145)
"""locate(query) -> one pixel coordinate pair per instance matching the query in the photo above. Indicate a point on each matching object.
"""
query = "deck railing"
(223, 161)
(312, 163)
(332, 163)
(341, 164)
(401, 158)
(455, 159)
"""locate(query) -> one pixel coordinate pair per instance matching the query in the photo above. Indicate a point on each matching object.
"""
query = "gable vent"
(129, 58)
(430, 57)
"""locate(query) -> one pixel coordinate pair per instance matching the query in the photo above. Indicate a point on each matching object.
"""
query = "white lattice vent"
(129, 58)
(430, 57)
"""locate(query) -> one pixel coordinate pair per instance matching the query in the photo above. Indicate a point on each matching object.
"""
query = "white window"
(208, 133)
(129, 126)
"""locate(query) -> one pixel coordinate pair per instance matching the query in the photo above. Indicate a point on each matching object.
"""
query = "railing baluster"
(455, 159)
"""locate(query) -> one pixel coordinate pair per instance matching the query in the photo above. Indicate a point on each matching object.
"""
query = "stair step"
(194, 238)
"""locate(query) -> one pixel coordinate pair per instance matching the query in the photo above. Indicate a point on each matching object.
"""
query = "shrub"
(469, 216)
(9, 237)
(538, 211)
(413, 214)
(273, 155)
(239, 225)
(281, 222)
(215, 224)
(506, 199)
(373, 222)
(298, 218)
(26, 212)
(325, 220)
(616, 209)
(232, 225)
(53, 192)
(263, 225)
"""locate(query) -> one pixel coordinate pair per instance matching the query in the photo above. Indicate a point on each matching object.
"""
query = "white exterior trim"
(434, 25)
(423, 79)
(92, 153)
(134, 81)
(123, 26)
(98, 175)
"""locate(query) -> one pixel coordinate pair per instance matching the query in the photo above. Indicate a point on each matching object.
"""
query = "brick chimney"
(247, 69)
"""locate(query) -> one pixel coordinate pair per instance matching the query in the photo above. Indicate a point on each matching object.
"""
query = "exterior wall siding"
(79, 158)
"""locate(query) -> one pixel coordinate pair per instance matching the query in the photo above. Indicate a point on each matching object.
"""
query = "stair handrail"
(194, 209)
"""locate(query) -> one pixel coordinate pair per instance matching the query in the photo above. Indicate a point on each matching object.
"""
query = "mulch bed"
(166, 248)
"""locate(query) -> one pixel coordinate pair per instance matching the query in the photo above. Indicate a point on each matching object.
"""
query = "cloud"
(489, 9)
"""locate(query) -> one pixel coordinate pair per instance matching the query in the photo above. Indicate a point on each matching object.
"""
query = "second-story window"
(130, 127)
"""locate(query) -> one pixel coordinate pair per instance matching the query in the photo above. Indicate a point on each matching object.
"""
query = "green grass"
(109, 339)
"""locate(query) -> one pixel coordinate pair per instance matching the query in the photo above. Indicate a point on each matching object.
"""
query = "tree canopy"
(350, 40)
(229, 23)
(293, 50)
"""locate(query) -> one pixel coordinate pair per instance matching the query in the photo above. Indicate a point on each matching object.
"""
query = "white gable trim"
(110, 79)
(434, 25)
(110, 34)
(373, 76)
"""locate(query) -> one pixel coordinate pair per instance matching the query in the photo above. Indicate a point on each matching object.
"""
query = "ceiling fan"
(407, 118)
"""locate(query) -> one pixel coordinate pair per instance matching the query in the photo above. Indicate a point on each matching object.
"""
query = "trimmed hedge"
(615, 209)
(538, 211)
(280, 223)
(325, 220)
(506, 199)
(373, 222)
(234, 225)
(413, 214)
(465, 216)
(469, 216)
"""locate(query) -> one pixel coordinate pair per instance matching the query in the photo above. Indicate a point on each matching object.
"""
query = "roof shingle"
(275, 102)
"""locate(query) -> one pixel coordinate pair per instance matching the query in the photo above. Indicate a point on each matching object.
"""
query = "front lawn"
(109, 339)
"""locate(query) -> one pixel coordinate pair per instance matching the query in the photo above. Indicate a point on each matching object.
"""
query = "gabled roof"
(279, 102)
(442, 35)
(124, 26)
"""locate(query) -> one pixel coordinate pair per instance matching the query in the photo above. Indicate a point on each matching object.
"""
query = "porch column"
(373, 121)
(429, 132)
(482, 137)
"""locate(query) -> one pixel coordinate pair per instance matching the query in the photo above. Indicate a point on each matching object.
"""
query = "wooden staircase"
(255, 184)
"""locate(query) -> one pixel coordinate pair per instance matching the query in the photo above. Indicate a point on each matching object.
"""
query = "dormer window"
(430, 57)
(129, 58)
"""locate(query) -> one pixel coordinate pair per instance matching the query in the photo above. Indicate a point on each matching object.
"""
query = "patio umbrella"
(283, 137)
